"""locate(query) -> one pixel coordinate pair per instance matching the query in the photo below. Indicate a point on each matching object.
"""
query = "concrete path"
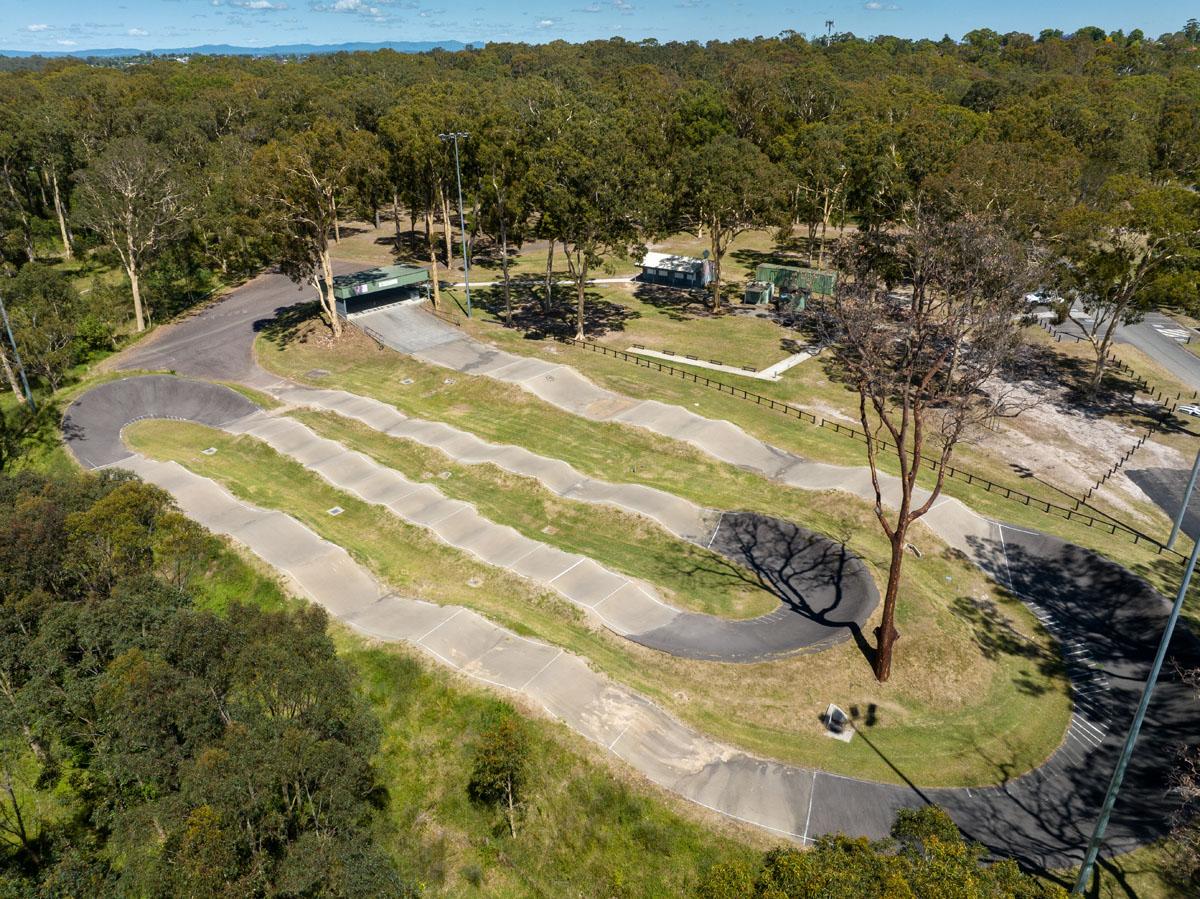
(1107, 619)
(681, 517)
(826, 592)
(772, 373)
(625, 606)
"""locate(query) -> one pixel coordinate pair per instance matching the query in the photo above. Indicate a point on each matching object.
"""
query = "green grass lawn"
(1000, 693)
(1141, 874)
(689, 576)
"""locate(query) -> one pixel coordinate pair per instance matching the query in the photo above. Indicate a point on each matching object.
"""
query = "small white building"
(676, 271)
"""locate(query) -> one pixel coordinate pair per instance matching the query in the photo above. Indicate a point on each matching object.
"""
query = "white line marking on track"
(1004, 550)
(715, 530)
(561, 573)
(539, 671)
(812, 791)
(436, 626)
(621, 734)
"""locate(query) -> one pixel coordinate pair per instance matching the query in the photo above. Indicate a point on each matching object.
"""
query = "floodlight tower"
(454, 137)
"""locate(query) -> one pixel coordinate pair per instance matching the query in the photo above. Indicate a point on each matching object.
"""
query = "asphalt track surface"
(1106, 619)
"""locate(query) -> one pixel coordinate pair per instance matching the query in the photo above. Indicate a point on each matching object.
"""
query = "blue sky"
(68, 24)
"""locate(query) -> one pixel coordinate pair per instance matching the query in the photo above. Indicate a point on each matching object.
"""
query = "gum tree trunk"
(886, 634)
(433, 263)
(11, 376)
(548, 303)
(581, 272)
(63, 230)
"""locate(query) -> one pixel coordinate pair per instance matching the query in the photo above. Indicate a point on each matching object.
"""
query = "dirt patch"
(1073, 449)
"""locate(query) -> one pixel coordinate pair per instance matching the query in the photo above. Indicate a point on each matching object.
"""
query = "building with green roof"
(376, 287)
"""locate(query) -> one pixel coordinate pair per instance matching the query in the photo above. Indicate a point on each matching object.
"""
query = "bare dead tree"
(920, 359)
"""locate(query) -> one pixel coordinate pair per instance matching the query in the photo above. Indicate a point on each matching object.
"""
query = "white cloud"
(590, 8)
(623, 5)
(37, 27)
(260, 5)
(355, 7)
(876, 6)
(546, 23)
(138, 32)
(66, 43)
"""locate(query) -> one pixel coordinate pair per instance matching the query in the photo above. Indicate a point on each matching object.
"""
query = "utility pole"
(1187, 498)
(1114, 787)
(454, 137)
(17, 356)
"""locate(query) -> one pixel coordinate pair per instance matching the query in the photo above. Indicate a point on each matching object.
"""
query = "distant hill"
(231, 50)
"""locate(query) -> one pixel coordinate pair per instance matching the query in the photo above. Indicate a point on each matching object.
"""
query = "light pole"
(1114, 787)
(1187, 497)
(454, 137)
(16, 355)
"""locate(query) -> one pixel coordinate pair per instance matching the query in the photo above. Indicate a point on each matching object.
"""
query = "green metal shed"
(792, 279)
(375, 287)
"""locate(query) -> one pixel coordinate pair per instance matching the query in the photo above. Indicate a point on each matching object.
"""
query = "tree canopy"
(193, 754)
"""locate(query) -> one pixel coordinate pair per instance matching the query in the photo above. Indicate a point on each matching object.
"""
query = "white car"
(1040, 298)
(1189, 409)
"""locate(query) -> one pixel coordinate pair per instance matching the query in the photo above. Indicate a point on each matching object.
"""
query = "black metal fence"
(1099, 520)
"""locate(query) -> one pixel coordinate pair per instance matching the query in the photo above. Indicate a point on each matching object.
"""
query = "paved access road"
(1158, 336)
(1162, 339)
(1106, 619)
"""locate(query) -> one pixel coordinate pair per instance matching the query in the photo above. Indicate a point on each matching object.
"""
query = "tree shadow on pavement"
(812, 575)
(1109, 622)
(288, 324)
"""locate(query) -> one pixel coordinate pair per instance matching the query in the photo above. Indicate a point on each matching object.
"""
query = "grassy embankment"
(690, 576)
(1012, 699)
(585, 824)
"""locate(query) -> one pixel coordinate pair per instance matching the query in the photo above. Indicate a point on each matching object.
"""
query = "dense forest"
(185, 176)
(238, 740)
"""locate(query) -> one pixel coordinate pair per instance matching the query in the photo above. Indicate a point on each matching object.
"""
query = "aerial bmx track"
(1106, 619)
